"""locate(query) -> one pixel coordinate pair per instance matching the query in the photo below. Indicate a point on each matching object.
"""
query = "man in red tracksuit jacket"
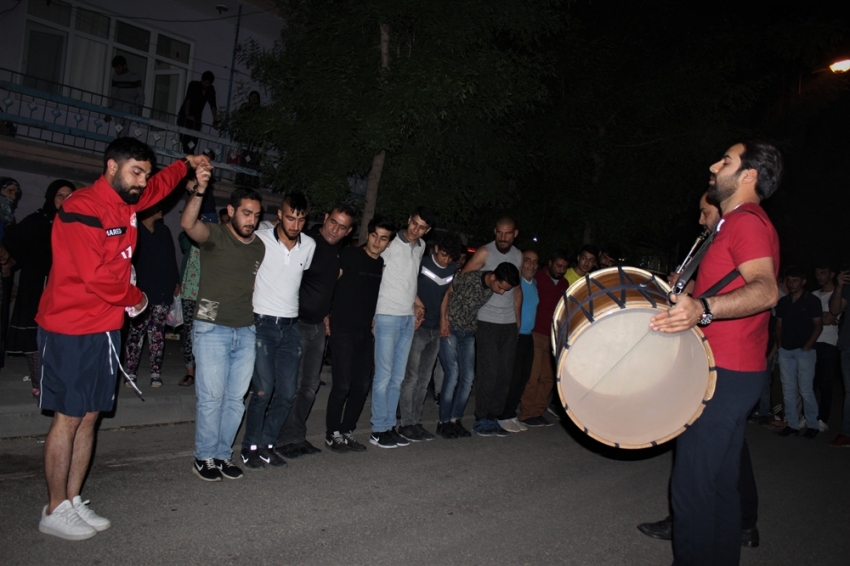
(80, 317)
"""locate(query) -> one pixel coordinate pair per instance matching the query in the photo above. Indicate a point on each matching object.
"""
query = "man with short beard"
(497, 330)
(314, 305)
(80, 318)
(223, 332)
(704, 487)
(288, 254)
(551, 286)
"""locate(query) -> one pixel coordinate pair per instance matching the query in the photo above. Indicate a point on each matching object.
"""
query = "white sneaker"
(89, 516)
(822, 426)
(508, 425)
(519, 424)
(801, 424)
(65, 523)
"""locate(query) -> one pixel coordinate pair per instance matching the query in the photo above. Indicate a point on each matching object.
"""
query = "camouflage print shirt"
(469, 293)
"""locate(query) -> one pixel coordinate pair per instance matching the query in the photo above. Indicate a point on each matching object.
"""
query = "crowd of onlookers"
(395, 316)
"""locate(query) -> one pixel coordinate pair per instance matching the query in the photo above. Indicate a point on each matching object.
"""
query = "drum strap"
(720, 284)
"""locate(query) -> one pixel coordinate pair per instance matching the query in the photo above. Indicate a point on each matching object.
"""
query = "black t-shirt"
(317, 283)
(432, 284)
(156, 264)
(798, 319)
(356, 292)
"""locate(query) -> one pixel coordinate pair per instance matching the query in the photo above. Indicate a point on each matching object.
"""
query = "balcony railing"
(66, 116)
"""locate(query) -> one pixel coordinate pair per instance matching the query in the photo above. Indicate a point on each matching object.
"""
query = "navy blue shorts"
(78, 373)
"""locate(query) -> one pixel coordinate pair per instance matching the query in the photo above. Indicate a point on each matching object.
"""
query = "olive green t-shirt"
(228, 268)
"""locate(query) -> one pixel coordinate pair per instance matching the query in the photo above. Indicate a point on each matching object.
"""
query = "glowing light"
(840, 66)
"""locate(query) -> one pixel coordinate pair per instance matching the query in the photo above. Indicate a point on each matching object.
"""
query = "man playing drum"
(704, 486)
(709, 217)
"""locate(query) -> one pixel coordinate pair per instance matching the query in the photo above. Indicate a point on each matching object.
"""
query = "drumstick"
(601, 379)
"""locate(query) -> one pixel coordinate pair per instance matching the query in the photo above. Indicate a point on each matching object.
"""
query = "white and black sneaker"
(383, 439)
(206, 470)
(336, 443)
(270, 457)
(352, 443)
(251, 458)
(228, 469)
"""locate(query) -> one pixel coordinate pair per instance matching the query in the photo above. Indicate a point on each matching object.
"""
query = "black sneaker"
(499, 430)
(308, 449)
(410, 432)
(336, 443)
(423, 433)
(352, 443)
(289, 451)
(788, 431)
(383, 440)
(269, 456)
(251, 459)
(446, 430)
(206, 470)
(460, 430)
(399, 439)
(228, 469)
(535, 422)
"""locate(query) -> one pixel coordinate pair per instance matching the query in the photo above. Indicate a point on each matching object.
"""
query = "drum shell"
(603, 320)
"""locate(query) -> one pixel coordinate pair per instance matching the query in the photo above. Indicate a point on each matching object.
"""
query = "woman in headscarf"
(28, 246)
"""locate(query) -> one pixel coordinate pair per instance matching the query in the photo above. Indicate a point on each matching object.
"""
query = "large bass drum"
(620, 382)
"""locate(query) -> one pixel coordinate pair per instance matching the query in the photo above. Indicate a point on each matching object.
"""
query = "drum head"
(630, 387)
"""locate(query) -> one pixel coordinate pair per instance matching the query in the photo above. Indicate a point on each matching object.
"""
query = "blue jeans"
(309, 371)
(845, 373)
(457, 355)
(278, 348)
(224, 362)
(797, 373)
(393, 337)
(764, 400)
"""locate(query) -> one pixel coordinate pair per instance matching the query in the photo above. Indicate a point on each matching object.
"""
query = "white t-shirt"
(279, 276)
(830, 332)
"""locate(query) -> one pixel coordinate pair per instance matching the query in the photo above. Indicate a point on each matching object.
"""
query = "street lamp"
(840, 66)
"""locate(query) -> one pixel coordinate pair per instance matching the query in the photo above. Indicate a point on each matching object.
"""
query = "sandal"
(156, 382)
(187, 381)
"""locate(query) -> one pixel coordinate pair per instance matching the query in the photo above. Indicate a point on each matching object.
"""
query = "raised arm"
(195, 229)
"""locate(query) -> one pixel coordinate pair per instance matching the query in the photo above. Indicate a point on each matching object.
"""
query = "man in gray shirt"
(496, 336)
(394, 324)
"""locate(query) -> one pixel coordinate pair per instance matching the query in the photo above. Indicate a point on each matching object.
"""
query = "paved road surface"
(545, 496)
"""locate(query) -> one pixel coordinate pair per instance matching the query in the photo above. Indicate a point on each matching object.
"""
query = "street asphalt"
(544, 496)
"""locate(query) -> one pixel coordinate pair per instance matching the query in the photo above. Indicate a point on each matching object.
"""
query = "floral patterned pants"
(151, 323)
(188, 313)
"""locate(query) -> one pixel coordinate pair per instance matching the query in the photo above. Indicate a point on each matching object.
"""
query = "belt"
(278, 319)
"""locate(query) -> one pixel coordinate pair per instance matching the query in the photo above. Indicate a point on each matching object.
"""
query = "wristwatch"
(706, 317)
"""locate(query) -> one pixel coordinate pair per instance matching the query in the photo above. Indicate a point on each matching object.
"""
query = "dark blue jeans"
(704, 489)
(278, 349)
(457, 355)
(309, 373)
